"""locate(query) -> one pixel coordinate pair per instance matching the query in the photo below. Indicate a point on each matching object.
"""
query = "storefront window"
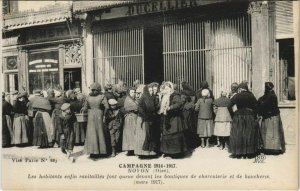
(43, 70)
(10, 68)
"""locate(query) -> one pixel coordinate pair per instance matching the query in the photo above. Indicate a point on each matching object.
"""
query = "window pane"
(11, 82)
(43, 70)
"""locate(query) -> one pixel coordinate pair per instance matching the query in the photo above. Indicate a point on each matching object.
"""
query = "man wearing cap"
(68, 136)
(114, 121)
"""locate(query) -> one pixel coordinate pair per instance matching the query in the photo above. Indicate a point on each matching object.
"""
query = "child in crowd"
(113, 121)
(205, 117)
(68, 136)
(223, 119)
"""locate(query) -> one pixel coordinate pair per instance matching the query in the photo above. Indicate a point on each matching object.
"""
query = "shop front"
(51, 58)
(171, 40)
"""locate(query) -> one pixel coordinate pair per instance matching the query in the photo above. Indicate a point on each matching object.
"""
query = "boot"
(218, 141)
(113, 152)
(202, 142)
(207, 143)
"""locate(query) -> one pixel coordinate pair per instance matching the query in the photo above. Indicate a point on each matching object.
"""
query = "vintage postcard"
(150, 94)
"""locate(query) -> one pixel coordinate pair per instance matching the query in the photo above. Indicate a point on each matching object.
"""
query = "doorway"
(72, 78)
(153, 54)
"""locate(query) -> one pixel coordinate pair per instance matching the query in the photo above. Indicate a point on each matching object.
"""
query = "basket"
(81, 117)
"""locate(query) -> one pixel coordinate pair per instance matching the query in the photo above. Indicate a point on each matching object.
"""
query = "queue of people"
(145, 120)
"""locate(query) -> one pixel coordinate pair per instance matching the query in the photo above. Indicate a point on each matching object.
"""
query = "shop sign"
(153, 7)
(157, 6)
(51, 34)
(43, 65)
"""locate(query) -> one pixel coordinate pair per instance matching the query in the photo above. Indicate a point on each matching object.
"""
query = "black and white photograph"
(150, 95)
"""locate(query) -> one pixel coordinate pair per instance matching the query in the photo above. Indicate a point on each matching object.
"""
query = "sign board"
(52, 33)
(153, 7)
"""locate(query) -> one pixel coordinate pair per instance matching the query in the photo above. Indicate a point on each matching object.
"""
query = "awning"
(45, 16)
(84, 6)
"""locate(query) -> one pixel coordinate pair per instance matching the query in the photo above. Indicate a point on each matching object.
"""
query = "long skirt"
(20, 129)
(42, 132)
(7, 131)
(222, 129)
(205, 127)
(140, 136)
(97, 134)
(244, 135)
(128, 132)
(273, 134)
(172, 143)
(79, 131)
(57, 125)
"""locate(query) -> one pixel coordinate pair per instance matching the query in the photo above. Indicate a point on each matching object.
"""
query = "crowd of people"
(145, 120)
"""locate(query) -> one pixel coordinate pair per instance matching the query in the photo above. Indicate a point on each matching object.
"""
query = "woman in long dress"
(145, 144)
(7, 112)
(97, 135)
(244, 138)
(130, 108)
(271, 125)
(79, 127)
(21, 120)
(43, 132)
(173, 141)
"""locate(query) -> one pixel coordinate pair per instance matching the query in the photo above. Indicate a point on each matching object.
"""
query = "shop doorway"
(72, 79)
(153, 54)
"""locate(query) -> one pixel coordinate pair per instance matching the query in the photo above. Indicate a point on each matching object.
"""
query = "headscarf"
(165, 101)
(146, 97)
(204, 85)
(96, 89)
(269, 87)
(187, 89)
(244, 86)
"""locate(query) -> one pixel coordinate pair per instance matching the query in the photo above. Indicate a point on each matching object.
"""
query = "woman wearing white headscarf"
(173, 140)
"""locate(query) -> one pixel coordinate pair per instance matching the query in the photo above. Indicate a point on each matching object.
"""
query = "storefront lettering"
(50, 34)
(157, 6)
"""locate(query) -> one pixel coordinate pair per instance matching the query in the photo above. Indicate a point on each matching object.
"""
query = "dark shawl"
(268, 105)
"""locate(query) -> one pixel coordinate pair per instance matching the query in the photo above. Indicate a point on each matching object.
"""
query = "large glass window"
(43, 70)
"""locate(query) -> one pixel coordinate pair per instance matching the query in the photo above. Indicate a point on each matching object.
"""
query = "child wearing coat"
(205, 117)
(223, 119)
(68, 136)
(113, 122)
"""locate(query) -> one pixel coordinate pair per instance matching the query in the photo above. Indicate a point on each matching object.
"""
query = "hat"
(65, 106)
(95, 86)
(22, 94)
(112, 102)
(42, 103)
(108, 86)
(140, 88)
(57, 93)
(205, 93)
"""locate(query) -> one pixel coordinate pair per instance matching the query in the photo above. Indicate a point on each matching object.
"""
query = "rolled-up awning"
(45, 16)
(84, 6)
